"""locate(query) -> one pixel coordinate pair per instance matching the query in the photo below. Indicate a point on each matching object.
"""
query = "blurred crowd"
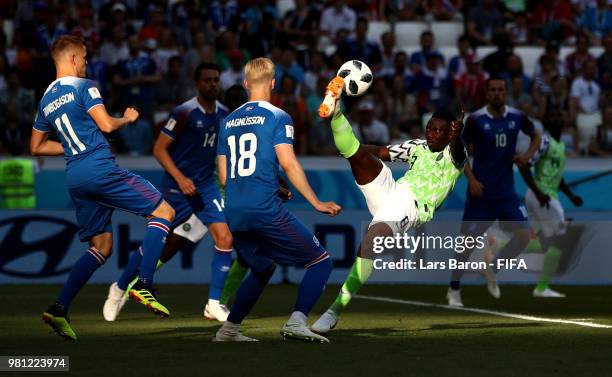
(143, 53)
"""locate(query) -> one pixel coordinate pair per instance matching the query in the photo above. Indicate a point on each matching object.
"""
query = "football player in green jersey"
(542, 199)
(434, 164)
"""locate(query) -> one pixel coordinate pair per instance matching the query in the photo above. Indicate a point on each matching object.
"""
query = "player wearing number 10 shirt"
(73, 108)
(254, 140)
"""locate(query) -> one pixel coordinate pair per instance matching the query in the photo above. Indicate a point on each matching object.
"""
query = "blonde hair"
(258, 71)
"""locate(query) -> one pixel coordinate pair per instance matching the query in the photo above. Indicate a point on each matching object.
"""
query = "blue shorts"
(120, 188)
(206, 204)
(479, 214)
(283, 240)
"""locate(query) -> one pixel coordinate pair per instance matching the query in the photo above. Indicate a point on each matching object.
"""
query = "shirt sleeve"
(527, 125)
(469, 131)
(90, 95)
(542, 150)
(284, 132)
(221, 143)
(575, 90)
(41, 123)
(401, 152)
(175, 125)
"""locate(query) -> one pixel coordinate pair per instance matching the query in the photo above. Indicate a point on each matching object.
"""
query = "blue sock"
(312, 286)
(152, 246)
(455, 285)
(87, 264)
(220, 267)
(131, 270)
(247, 295)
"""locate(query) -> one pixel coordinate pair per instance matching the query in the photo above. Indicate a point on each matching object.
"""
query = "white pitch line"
(484, 311)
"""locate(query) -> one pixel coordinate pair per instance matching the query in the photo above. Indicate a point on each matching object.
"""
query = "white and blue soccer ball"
(357, 77)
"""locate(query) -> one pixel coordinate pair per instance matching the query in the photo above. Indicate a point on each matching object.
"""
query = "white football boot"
(230, 332)
(216, 311)
(547, 293)
(114, 302)
(325, 323)
(454, 297)
(296, 328)
(492, 285)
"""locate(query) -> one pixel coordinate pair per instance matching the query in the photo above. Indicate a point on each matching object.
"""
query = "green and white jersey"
(549, 162)
(431, 175)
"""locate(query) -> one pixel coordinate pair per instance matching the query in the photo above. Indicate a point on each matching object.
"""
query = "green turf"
(372, 339)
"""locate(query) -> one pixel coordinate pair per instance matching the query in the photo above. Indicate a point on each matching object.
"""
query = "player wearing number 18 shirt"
(73, 108)
(254, 140)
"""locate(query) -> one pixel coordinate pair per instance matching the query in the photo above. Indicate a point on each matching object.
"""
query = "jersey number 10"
(500, 140)
(245, 156)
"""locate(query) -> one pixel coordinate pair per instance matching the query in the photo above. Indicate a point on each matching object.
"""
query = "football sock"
(345, 140)
(234, 277)
(360, 273)
(221, 262)
(87, 264)
(152, 246)
(131, 270)
(248, 294)
(551, 262)
(313, 285)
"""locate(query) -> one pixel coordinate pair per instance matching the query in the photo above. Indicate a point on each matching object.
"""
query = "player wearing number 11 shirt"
(254, 140)
(72, 107)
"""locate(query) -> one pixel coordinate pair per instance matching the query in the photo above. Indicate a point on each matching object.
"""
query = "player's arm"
(378, 151)
(522, 160)
(222, 169)
(160, 151)
(295, 173)
(456, 146)
(528, 178)
(576, 199)
(40, 145)
(107, 123)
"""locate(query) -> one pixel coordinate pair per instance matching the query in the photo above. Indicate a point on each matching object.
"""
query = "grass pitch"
(372, 338)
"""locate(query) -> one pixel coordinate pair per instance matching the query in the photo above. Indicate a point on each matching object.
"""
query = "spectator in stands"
(226, 42)
(380, 93)
(543, 83)
(516, 95)
(456, 65)
(166, 48)
(112, 14)
(193, 56)
(484, 21)
(404, 10)
(431, 86)
(295, 106)
(442, 10)
(401, 105)
(551, 53)
(584, 105)
(576, 61)
(87, 28)
(601, 145)
(257, 27)
(367, 128)
(514, 67)
(495, 63)
(596, 21)
(136, 77)
(387, 56)
(300, 26)
(154, 26)
(519, 29)
(116, 48)
(418, 59)
(470, 86)
(559, 96)
(19, 98)
(14, 134)
(316, 69)
(604, 64)
(4, 69)
(401, 68)
(234, 74)
(235, 96)
(553, 20)
(97, 69)
(287, 65)
(224, 15)
(320, 139)
(336, 17)
(174, 88)
(359, 47)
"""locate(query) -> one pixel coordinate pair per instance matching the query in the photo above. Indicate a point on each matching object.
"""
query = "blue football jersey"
(494, 141)
(195, 135)
(64, 107)
(248, 138)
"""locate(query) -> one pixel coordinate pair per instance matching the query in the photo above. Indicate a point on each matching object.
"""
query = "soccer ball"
(357, 77)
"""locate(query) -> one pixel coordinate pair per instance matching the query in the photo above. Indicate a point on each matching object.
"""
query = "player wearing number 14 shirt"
(73, 108)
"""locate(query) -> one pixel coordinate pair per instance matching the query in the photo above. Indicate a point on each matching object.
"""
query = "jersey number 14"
(245, 159)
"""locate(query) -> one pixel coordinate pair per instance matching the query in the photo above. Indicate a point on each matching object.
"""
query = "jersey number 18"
(246, 157)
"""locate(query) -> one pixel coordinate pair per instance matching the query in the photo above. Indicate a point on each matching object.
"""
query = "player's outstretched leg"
(551, 263)
(246, 297)
(222, 260)
(235, 276)
(359, 274)
(117, 292)
(311, 288)
(57, 315)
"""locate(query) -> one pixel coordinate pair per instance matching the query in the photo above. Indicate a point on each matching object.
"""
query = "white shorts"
(192, 229)
(550, 221)
(390, 201)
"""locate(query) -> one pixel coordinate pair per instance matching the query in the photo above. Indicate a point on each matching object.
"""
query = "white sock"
(298, 317)
(213, 302)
